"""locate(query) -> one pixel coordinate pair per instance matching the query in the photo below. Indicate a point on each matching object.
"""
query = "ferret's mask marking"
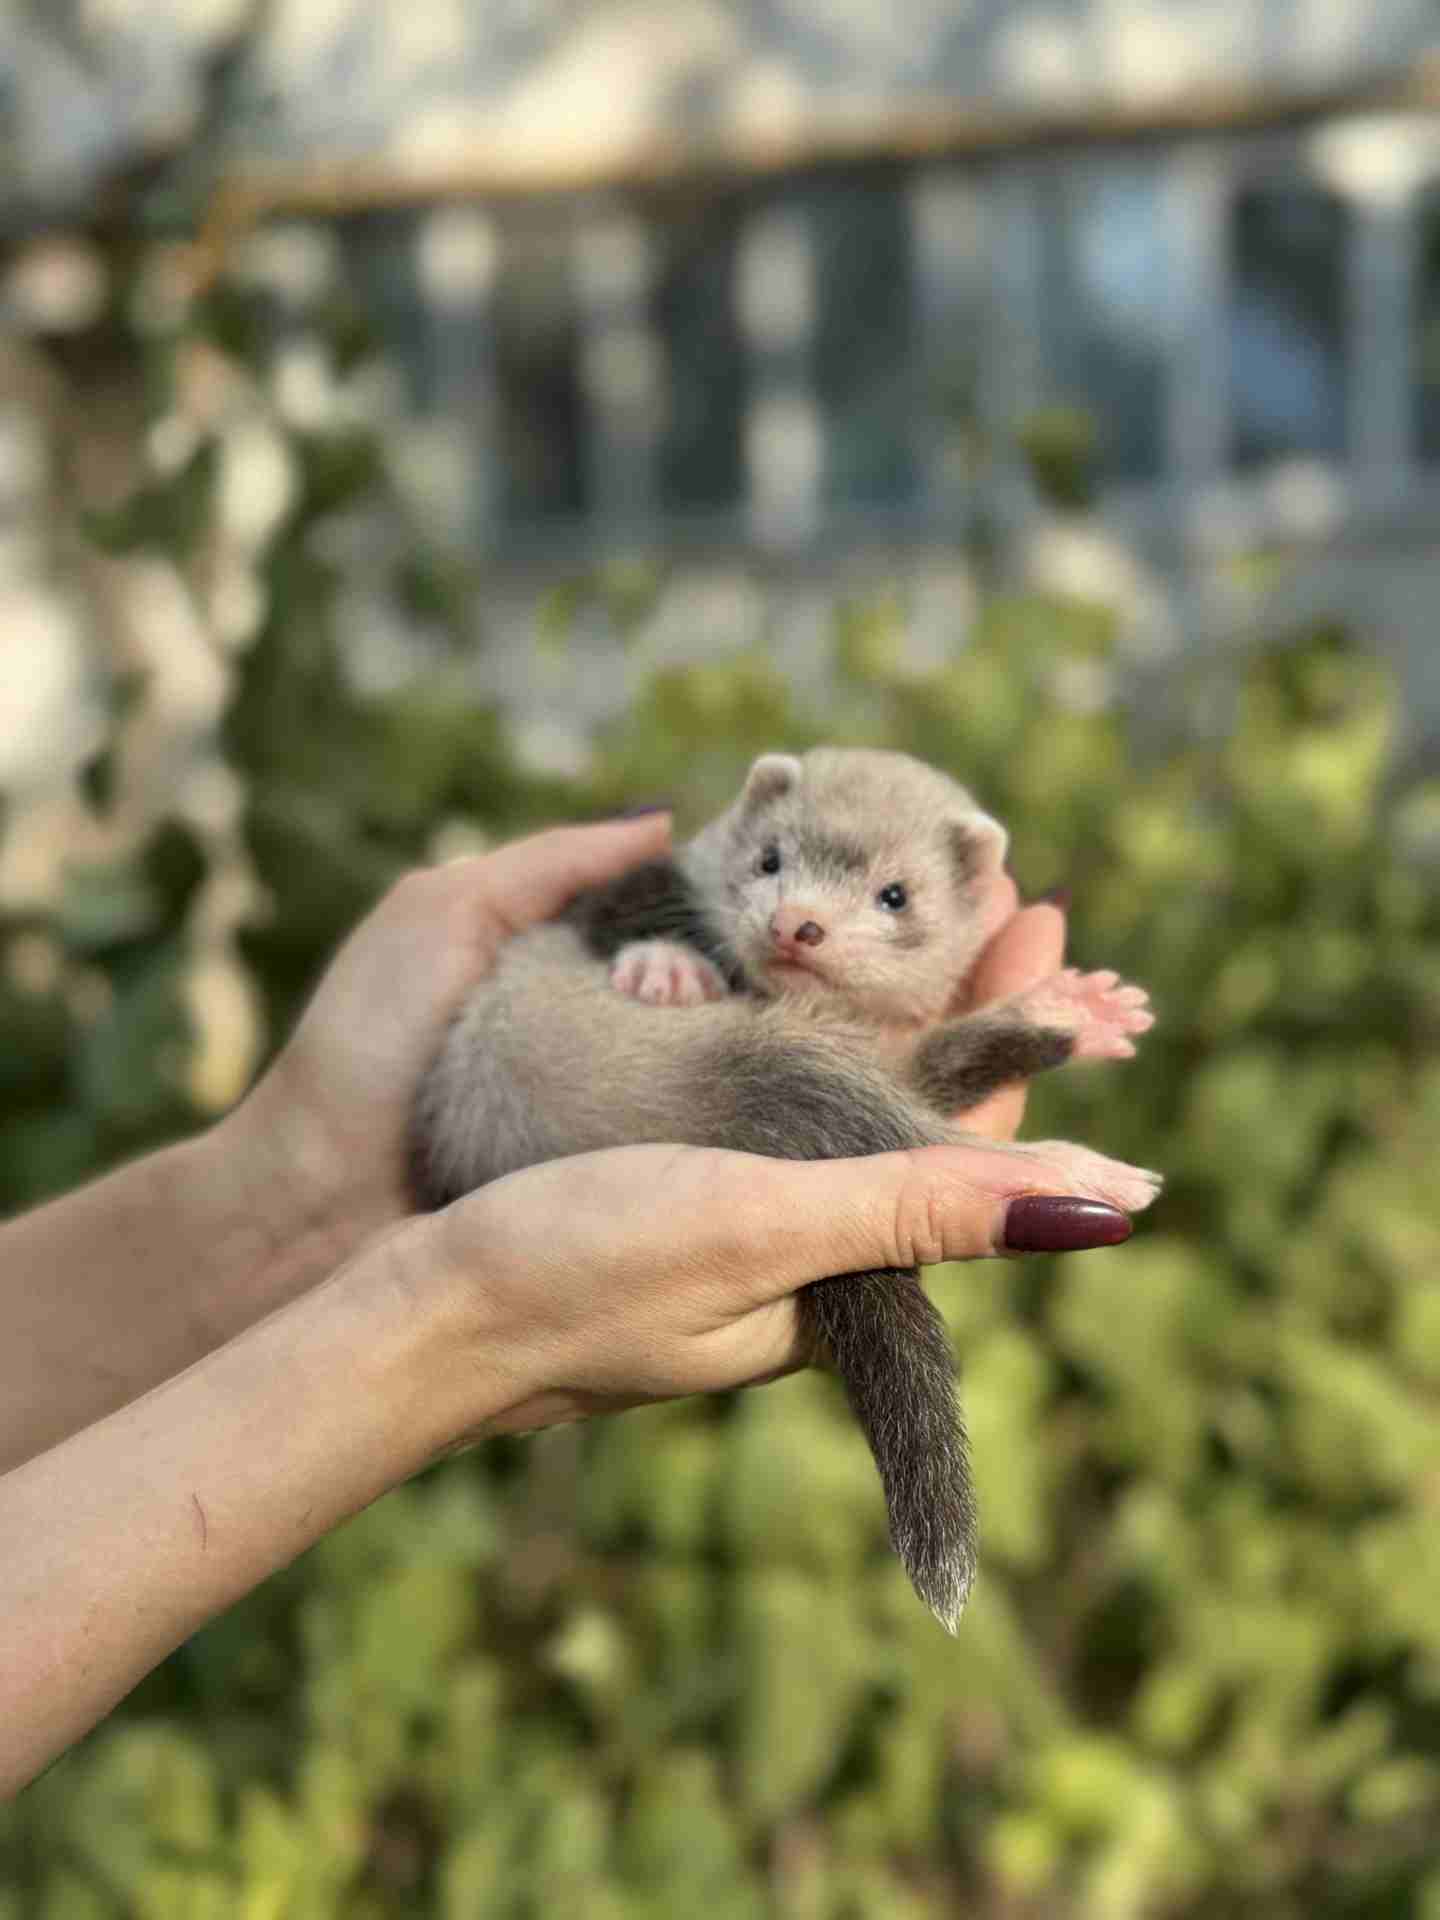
(803, 846)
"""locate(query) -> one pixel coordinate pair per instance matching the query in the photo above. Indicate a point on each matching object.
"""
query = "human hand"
(325, 1130)
(1026, 946)
(645, 1273)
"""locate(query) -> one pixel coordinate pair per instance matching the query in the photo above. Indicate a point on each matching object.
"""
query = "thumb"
(1026, 950)
(531, 879)
(813, 1218)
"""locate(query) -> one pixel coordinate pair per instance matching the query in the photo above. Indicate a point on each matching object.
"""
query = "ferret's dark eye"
(894, 897)
(770, 860)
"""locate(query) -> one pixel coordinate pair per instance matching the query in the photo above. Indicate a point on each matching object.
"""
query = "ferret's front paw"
(665, 975)
(1100, 1011)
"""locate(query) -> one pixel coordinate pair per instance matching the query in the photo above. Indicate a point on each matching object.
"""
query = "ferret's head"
(864, 875)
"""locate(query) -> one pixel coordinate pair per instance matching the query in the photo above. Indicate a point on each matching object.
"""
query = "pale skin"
(213, 1356)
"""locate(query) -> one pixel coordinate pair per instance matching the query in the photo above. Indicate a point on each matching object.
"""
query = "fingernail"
(1062, 1223)
(1056, 897)
(645, 806)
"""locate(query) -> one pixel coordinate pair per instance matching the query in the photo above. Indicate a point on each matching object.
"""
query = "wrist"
(279, 1165)
(471, 1365)
(272, 1208)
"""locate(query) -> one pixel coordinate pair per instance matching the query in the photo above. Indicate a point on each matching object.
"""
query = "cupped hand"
(646, 1273)
(329, 1121)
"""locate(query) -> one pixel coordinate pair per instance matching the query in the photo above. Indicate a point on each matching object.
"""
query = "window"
(694, 315)
(1287, 324)
(1206, 317)
(539, 406)
(379, 258)
(864, 347)
(1426, 324)
(1104, 308)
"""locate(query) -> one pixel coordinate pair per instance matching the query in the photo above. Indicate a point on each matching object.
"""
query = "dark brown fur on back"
(653, 902)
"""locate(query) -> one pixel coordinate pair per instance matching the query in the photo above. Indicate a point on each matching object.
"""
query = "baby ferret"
(786, 984)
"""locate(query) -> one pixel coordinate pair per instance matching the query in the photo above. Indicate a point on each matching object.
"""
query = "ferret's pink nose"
(790, 927)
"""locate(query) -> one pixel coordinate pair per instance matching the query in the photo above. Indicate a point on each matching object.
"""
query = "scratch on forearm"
(203, 1523)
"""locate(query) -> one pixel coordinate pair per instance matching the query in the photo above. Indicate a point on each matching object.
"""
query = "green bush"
(664, 1664)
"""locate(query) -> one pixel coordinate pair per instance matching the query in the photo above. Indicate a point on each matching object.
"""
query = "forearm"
(127, 1537)
(116, 1287)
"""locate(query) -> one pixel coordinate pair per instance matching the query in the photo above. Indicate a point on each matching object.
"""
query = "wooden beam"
(931, 132)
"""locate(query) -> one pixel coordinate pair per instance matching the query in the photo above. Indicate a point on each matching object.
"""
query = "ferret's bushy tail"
(792, 1096)
(889, 1345)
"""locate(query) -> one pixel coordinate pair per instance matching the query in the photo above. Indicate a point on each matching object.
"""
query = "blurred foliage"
(665, 1665)
(1060, 445)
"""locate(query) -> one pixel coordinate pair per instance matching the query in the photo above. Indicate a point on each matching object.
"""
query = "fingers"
(531, 879)
(1029, 947)
(999, 1117)
(812, 1218)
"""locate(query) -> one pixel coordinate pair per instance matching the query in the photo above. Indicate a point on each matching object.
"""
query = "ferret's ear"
(771, 775)
(976, 844)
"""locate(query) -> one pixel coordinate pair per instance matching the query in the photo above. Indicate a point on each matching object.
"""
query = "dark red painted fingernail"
(1056, 897)
(1062, 1223)
(645, 806)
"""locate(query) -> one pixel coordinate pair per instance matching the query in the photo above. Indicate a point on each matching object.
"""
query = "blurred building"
(1122, 296)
